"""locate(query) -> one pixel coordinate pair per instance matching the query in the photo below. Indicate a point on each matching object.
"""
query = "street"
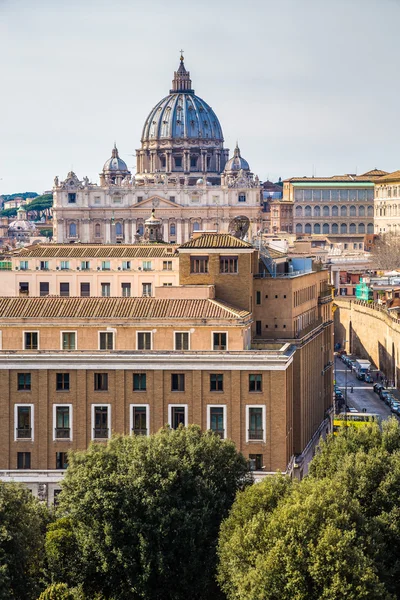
(363, 395)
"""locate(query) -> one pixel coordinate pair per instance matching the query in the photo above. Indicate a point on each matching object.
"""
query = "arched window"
(97, 230)
(317, 211)
(343, 228)
(299, 211)
(370, 211)
(352, 228)
(307, 211)
(325, 228)
(370, 228)
(335, 211)
(307, 228)
(118, 229)
(72, 230)
(172, 229)
(394, 210)
(325, 211)
(317, 228)
(361, 211)
(196, 226)
(343, 211)
(299, 228)
(353, 211)
(361, 228)
(140, 228)
(335, 228)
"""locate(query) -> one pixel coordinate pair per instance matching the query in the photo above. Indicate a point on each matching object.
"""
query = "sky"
(306, 86)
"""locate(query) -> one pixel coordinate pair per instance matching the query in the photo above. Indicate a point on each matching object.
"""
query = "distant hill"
(24, 195)
(37, 207)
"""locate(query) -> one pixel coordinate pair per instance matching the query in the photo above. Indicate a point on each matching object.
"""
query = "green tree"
(146, 512)
(22, 532)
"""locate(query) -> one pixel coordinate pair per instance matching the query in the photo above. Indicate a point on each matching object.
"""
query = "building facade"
(387, 204)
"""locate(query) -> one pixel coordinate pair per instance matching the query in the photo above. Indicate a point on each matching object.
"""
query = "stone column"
(108, 231)
(186, 230)
(126, 232)
(85, 231)
(165, 231)
(186, 161)
(133, 229)
(179, 231)
(218, 153)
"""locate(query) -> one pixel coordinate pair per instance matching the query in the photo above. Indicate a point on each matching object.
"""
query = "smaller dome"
(200, 181)
(115, 163)
(237, 163)
(21, 225)
(153, 219)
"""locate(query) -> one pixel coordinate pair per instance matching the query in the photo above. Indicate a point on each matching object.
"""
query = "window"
(352, 228)
(178, 161)
(172, 198)
(335, 228)
(255, 423)
(61, 460)
(307, 228)
(177, 415)
(23, 421)
(181, 340)
(126, 265)
(24, 381)
(31, 340)
(193, 161)
(71, 198)
(177, 382)
(139, 419)
(105, 265)
(307, 211)
(118, 229)
(101, 382)
(228, 264)
(62, 419)
(146, 265)
(101, 421)
(105, 289)
(361, 228)
(256, 462)
(196, 226)
(140, 198)
(97, 200)
(23, 460)
(255, 383)
(242, 198)
(23, 287)
(23, 265)
(64, 289)
(352, 211)
(325, 211)
(370, 228)
(216, 382)
(343, 228)
(97, 230)
(258, 327)
(167, 284)
(126, 289)
(106, 340)
(146, 289)
(72, 230)
(68, 340)
(139, 382)
(299, 228)
(62, 382)
(216, 419)
(85, 289)
(44, 265)
(219, 340)
(258, 297)
(144, 340)
(317, 211)
(343, 211)
(335, 211)
(325, 228)
(172, 229)
(167, 265)
(199, 264)
(317, 228)
(85, 265)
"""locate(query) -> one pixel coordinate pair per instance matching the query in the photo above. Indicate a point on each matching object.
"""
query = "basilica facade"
(184, 173)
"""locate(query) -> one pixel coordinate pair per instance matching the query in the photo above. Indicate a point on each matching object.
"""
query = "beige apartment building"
(77, 370)
(387, 204)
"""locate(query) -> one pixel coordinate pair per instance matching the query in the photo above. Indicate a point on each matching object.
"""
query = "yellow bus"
(354, 419)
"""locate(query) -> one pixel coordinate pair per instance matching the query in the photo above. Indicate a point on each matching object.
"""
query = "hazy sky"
(302, 84)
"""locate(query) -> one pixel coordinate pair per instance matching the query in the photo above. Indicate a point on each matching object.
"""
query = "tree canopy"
(143, 515)
(386, 252)
(37, 206)
(24, 195)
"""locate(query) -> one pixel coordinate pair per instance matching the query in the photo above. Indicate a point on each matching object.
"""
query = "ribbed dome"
(236, 163)
(115, 163)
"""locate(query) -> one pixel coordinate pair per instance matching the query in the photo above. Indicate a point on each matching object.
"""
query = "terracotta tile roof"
(374, 173)
(395, 176)
(350, 177)
(116, 308)
(216, 240)
(98, 251)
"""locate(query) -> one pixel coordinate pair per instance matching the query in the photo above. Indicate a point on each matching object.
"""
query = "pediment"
(156, 202)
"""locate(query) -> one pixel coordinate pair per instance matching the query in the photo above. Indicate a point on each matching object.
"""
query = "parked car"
(361, 376)
(378, 387)
(339, 395)
(395, 408)
(386, 396)
(352, 409)
(368, 378)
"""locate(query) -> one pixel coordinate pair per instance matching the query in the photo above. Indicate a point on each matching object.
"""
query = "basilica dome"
(115, 163)
(237, 163)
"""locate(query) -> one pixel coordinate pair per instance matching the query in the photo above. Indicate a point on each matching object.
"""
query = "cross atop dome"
(181, 81)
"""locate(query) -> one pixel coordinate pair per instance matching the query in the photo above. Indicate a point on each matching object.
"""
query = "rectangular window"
(216, 418)
(62, 382)
(242, 198)
(105, 289)
(181, 340)
(101, 421)
(105, 265)
(144, 340)
(258, 297)
(61, 460)
(24, 421)
(62, 421)
(85, 289)
(228, 264)
(178, 161)
(31, 340)
(199, 264)
(126, 265)
(23, 287)
(219, 340)
(64, 289)
(85, 265)
(44, 288)
(255, 422)
(64, 265)
(258, 327)
(177, 382)
(71, 198)
(24, 381)
(172, 198)
(101, 382)
(140, 419)
(216, 382)
(178, 415)
(255, 383)
(106, 340)
(167, 265)
(139, 382)
(256, 462)
(23, 460)
(44, 265)
(146, 289)
(23, 265)
(167, 284)
(126, 290)
(68, 340)
(146, 265)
